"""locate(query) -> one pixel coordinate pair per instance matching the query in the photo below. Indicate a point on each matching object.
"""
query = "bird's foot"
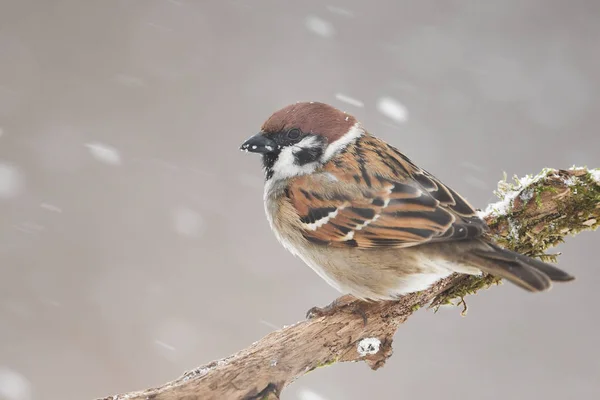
(331, 308)
(347, 301)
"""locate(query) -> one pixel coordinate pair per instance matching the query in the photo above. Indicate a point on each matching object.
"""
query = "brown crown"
(311, 117)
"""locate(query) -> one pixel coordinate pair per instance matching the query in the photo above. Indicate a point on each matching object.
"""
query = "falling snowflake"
(349, 100)
(11, 181)
(13, 385)
(307, 394)
(51, 207)
(319, 26)
(392, 109)
(187, 222)
(104, 153)
(340, 11)
(164, 345)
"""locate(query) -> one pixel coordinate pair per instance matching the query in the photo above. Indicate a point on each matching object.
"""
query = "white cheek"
(285, 166)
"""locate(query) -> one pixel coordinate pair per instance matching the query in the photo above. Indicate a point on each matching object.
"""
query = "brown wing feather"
(388, 202)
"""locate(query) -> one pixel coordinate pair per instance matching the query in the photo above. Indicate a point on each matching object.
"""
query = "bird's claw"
(317, 312)
(338, 304)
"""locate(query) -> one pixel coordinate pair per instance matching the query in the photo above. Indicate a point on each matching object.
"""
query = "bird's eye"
(294, 133)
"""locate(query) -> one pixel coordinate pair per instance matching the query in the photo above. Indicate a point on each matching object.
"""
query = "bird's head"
(301, 137)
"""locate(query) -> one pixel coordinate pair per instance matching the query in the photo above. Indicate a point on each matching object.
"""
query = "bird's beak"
(259, 143)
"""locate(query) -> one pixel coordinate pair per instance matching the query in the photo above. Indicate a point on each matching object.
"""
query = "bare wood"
(535, 214)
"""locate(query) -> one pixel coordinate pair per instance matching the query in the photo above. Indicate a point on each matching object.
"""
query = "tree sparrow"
(367, 219)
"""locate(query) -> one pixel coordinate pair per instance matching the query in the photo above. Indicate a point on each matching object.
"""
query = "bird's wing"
(386, 201)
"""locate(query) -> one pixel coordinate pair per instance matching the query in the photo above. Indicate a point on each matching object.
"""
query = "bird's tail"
(526, 272)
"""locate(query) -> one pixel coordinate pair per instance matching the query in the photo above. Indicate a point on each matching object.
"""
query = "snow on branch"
(533, 214)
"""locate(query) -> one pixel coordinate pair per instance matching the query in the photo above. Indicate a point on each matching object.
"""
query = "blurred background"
(133, 241)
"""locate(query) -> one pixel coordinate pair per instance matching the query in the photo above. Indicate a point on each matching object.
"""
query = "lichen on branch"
(534, 213)
(548, 207)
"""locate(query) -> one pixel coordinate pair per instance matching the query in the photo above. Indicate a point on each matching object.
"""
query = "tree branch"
(534, 213)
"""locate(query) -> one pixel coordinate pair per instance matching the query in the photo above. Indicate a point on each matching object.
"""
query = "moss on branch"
(535, 213)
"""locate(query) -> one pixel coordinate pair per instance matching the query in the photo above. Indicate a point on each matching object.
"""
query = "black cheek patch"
(307, 155)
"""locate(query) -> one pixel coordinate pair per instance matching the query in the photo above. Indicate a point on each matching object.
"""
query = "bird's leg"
(338, 304)
(331, 308)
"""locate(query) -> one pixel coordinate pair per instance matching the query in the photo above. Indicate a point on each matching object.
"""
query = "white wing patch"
(320, 222)
(367, 222)
(349, 236)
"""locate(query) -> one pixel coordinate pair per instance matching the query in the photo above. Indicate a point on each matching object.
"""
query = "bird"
(366, 218)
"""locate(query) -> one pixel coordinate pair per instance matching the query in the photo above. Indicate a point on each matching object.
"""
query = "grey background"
(133, 242)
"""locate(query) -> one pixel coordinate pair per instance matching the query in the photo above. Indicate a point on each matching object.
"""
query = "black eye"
(294, 133)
